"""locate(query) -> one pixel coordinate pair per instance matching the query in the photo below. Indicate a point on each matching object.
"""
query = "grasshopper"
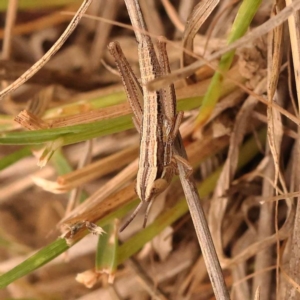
(155, 116)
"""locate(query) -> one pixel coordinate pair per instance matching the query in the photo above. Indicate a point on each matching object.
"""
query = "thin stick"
(40, 63)
(201, 227)
(191, 193)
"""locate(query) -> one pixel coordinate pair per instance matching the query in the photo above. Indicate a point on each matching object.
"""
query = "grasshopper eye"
(158, 186)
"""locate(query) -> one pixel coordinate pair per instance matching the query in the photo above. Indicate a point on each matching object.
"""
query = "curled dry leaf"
(198, 16)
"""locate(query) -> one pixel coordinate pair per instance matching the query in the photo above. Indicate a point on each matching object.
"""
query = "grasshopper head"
(149, 186)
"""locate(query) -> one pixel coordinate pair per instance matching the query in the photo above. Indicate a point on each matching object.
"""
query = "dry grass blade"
(173, 15)
(91, 116)
(107, 189)
(41, 23)
(294, 24)
(90, 172)
(222, 13)
(257, 294)
(274, 120)
(275, 47)
(84, 160)
(275, 133)
(39, 64)
(265, 228)
(7, 40)
(109, 10)
(198, 16)
(152, 18)
(110, 204)
(262, 200)
(9, 23)
(252, 250)
(30, 121)
(218, 208)
(242, 290)
(292, 289)
(291, 282)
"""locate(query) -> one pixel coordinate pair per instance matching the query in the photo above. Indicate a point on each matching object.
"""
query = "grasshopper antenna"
(149, 205)
(133, 215)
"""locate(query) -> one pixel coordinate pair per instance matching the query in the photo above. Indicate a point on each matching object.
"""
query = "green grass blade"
(245, 14)
(12, 158)
(106, 255)
(52, 250)
(38, 4)
(60, 163)
(62, 167)
(78, 133)
(69, 134)
(32, 263)
(83, 104)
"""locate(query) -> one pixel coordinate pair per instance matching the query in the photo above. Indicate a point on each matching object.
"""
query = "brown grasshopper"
(157, 122)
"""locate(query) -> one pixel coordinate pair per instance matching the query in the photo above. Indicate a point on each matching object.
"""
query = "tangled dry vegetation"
(69, 153)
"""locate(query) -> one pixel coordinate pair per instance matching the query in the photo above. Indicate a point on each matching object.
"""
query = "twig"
(201, 227)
